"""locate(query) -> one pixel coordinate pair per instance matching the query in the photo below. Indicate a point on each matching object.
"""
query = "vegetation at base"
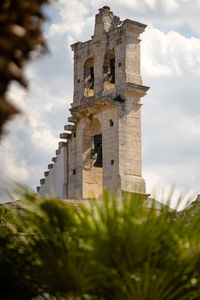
(111, 249)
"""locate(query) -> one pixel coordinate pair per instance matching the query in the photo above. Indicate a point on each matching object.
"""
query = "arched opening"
(109, 70)
(92, 158)
(89, 77)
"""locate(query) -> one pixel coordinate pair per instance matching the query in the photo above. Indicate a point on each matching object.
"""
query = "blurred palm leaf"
(114, 249)
(20, 35)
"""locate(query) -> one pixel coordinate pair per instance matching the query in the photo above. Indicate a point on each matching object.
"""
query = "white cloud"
(13, 164)
(170, 5)
(131, 4)
(72, 15)
(164, 14)
(171, 53)
(160, 189)
(43, 139)
(151, 3)
(154, 62)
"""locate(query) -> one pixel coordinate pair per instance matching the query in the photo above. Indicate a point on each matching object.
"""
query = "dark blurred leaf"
(20, 35)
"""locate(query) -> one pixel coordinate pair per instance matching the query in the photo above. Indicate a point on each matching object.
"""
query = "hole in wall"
(112, 162)
(111, 123)
(74, 171)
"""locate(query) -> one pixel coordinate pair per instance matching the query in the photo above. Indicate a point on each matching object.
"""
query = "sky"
(170, 65)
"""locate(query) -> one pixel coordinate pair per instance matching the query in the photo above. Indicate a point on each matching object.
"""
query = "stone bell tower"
(104, 148)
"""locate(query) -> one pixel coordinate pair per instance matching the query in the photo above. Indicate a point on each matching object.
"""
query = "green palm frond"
(115, 248)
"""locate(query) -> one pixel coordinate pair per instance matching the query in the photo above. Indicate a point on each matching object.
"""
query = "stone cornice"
(93, 105)
(134, 26)
(136, 89)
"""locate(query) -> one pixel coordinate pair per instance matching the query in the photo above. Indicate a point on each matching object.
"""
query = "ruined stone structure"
(103, 148)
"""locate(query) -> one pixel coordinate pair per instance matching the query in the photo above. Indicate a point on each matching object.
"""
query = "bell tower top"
(109, 63)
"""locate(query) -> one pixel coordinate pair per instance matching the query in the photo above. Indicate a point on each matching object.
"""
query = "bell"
(98, 149)
(98, 162)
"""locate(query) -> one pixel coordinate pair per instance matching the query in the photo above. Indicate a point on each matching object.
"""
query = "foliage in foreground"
(114, 249)
(20, 35)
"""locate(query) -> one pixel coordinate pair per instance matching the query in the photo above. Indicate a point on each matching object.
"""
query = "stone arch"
(92, 176)
(109, 70)
(89, 77)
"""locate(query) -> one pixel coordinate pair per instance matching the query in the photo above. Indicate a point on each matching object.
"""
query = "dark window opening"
(97, 149)
(112, 162)
(111, 123)
(74, 171)
(109, 70)
(112, 71)
(91, 80)
(89, 77)
(74, 134)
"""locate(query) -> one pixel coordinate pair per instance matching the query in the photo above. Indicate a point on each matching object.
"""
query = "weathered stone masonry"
(103, 147)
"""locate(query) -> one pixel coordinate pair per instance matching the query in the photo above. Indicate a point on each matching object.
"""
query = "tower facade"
(105, 145)
(103, 148)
